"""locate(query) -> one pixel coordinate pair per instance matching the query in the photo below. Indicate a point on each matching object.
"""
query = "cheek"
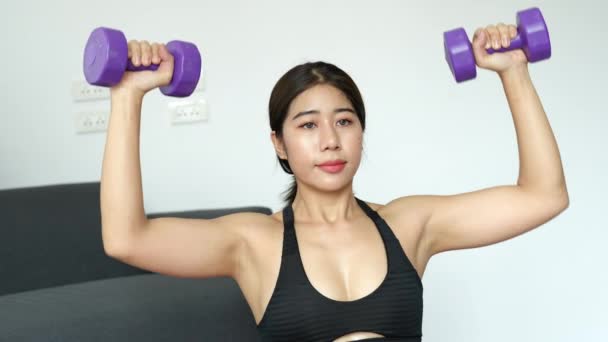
(355, 139)
(300, 146)
(355, 147)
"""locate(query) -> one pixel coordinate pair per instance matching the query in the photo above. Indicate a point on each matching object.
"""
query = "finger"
(512, 31)
(146, 52)
(166, 64)
(164, 53)
(134, 52)
(480, 40)
(155, 56)
(505, 39)
(488, 39)
(494, 36)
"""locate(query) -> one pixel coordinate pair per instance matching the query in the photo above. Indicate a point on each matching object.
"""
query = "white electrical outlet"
(188, 111)
(82, 91)
(91, 121)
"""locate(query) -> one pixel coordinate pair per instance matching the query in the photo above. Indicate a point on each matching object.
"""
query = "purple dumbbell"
(532, 37)
(106, 60)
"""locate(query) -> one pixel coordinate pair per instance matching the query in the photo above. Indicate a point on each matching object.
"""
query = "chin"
(335, 183)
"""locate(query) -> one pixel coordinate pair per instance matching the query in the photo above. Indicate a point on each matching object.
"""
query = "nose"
(330, 139)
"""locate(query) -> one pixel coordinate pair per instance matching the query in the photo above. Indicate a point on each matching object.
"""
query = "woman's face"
(321, 127)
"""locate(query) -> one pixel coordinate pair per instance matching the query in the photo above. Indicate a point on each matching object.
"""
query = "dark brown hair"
(297, 80)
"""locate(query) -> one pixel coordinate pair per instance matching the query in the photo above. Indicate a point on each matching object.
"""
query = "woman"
(329, 267)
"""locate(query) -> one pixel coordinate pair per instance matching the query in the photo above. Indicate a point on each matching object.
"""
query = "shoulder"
(407, 217)
(405, 209)
(251, 224)
(261, 234)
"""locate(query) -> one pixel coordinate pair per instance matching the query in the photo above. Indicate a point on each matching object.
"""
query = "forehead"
(319, 97)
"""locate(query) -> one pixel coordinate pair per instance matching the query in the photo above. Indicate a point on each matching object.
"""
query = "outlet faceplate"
(188, 111)
(83, 91)
(91, 121)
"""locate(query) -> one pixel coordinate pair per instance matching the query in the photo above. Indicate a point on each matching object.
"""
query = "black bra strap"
(368, 210)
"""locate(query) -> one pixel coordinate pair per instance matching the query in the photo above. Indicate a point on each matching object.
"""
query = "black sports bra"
(298, 312)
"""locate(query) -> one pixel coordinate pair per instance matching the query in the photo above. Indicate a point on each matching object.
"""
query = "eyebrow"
(315, 111)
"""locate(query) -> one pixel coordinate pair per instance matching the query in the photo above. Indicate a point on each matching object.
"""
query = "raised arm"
(173, 246)
(495, 214)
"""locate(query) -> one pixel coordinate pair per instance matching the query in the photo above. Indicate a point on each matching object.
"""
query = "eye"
(307, 125)
(344, 122)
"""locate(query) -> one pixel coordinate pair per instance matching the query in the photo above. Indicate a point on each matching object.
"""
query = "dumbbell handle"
(516, 43)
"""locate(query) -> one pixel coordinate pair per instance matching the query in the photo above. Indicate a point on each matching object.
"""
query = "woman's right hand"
(144, 53)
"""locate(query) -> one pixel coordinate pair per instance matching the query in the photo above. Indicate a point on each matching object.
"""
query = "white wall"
(438, 137)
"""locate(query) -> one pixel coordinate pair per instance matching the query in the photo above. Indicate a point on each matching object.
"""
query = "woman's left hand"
(496, 37)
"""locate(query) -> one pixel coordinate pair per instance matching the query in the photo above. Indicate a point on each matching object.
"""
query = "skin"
(338, 244)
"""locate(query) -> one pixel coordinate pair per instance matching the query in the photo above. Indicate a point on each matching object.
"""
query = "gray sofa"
(57, 284)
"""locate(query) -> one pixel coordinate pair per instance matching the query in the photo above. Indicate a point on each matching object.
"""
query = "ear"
(279, 146)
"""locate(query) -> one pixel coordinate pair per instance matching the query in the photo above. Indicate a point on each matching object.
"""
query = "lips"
(333, 162)
(332, 166)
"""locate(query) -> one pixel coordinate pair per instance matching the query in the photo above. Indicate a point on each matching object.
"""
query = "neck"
(314, 206)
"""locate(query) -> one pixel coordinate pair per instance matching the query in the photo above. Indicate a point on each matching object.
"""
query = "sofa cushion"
(147, 307)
